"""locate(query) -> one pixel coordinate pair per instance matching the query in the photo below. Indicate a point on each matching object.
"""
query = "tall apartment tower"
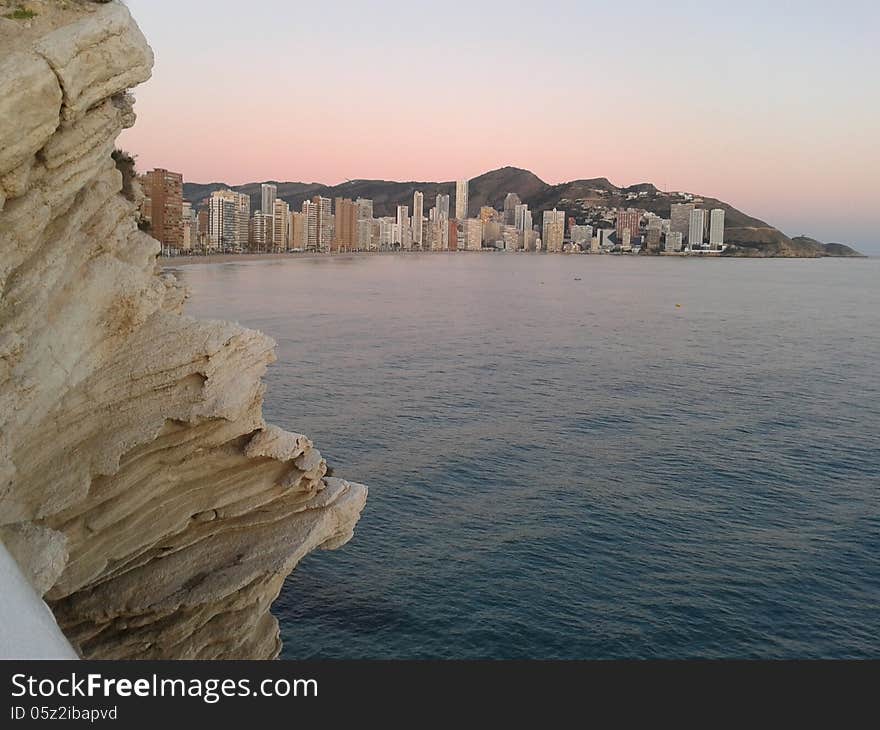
(403, 230)
(680, 218)
(418, 217)
(473, 234)
(323, 221)
(269, 193)
(242, 221)
(163, 206)
(519, 216)
(261, 232)
(461, 200)
(554, 230)
(280, 225)
(346, 224)
(310, 225)
(364, 209)
(716, 229)
(442, 206)
(696, 228)
(298, 231)
(221, 221)
(510, 202)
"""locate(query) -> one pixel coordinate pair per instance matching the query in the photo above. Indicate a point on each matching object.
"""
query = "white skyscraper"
(716, 229)
(418, 217)
(461, 199)
(270, 192)
(442, 206)
(519, 216)
(402, 233)
(695, 229)
(228, 220)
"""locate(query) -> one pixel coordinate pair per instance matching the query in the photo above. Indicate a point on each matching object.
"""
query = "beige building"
(473, 234)
(280, 225)
(345, 234)
(554, 230)
(297, 231)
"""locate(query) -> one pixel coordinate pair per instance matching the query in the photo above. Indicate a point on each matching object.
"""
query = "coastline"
(173, 262)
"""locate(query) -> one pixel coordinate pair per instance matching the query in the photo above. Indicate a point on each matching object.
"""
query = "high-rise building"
(261, 232)
(268, 194)
(510, 238)
(364, 234)
(452, 235)
(298, 225)
(403, 231)
(442, 206)
(190, 227)
(418, 218)
(386, 233)
(310, 224)
(554, 230)
(628, 220)
(491, 233)
(673, 241)
(716, 229)
(680, 218)
(473, 234)
(242, 221)
(229, 219)
(280, 224)
(323, 222)
(346, 219)
(519, 216)
(510, 202)
(163, 206)
(364, 208)
(461, 200)
(696, 228)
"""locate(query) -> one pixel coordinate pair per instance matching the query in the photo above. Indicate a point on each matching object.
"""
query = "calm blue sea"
(565, 464)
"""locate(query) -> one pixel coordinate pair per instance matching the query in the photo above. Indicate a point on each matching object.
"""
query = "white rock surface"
(140, 489)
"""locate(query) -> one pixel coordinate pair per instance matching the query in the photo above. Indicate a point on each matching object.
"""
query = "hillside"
(585, 200)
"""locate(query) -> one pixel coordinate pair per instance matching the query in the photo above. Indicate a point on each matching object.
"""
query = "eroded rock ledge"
(141, 491)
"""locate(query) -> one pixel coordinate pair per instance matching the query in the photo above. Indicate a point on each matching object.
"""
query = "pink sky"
(760, 121)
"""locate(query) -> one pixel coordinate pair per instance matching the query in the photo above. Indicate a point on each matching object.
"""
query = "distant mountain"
(581, 199)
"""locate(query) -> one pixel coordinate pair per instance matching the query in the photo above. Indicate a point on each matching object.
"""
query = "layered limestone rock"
(141, 491)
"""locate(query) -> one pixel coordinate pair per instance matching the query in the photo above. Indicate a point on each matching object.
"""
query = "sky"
(771, 106)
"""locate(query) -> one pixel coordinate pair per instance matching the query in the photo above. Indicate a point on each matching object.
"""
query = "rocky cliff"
(141, 492)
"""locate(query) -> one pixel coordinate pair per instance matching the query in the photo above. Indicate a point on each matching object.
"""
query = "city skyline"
(224, 223)
(744, 111)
